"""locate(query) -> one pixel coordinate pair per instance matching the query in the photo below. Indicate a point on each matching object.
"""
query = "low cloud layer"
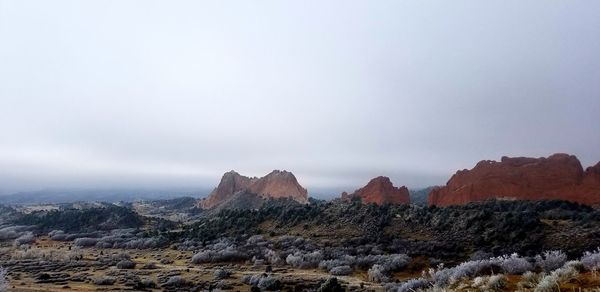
(141, 94)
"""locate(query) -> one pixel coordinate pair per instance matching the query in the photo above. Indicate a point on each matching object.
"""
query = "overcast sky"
(174, 93)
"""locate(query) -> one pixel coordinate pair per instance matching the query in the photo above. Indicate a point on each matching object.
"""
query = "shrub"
(331, 285)
(377, 273)
(514, 264)
(272, 256)
(126, 264)
(10, 232)
(552, 282)
(219, 274)
(490, 283)
(227, 254)
(146, 283)
(551, 260)
(345, 260)
(591, 260)
(411, 285)
(496, 282)
(269, 283)
(150, 266)
(251, 280)
(105, 281)
(26, 238)
(529, 280)
(176, 281)
(3, 279)
(341, 271)
(85, 241)
(304, 260)
(262, 281)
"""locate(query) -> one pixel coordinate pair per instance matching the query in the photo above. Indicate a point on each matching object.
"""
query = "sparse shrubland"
(107, 217)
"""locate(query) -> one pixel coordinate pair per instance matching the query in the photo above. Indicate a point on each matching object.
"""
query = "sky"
(101, 94)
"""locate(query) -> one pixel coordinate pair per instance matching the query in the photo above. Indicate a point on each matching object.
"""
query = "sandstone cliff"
(559, 176)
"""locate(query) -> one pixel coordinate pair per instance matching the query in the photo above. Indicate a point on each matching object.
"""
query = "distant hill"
(104, 195)
(419, 196)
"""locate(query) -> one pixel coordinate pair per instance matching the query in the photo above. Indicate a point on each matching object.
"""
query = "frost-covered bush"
(25, 238)
(8, 233)
(57, 235)
(261, 281)
(341, 271)
(409, 286)
(222, 254)
(105, 281)
(85, 241)
(219, 274)
(126, 264)
(269, 283)
(377, 273)
(444, 276)
(120, 256)
(176, 281)
(591, 260)
(345, 260)
(551, 260)
(552, 282)
(470, 269)
(514, 264)
(3, 279)
(251, 280)
(272, 256)
(304, 260)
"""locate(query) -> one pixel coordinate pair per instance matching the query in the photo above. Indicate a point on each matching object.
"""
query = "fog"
(101, 94)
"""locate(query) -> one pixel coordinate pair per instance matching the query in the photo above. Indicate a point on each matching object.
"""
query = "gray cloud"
(141, 93)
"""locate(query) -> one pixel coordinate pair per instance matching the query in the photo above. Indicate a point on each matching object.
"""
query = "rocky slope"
(380, 190)
(559, 176)
(277, 184)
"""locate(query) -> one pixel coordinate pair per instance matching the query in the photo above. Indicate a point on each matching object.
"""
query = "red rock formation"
(559, 176)
(231, 182)
(380, 190)
(277, 184)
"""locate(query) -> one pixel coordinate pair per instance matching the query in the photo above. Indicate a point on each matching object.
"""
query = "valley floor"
(49, 266)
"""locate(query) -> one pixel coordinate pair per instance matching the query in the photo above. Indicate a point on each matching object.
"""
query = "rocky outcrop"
(231, 183)
(380, 190)
(559, 176)
(277, 184)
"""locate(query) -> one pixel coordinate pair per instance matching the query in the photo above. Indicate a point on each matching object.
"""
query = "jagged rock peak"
(276, 184)
(380, 190)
